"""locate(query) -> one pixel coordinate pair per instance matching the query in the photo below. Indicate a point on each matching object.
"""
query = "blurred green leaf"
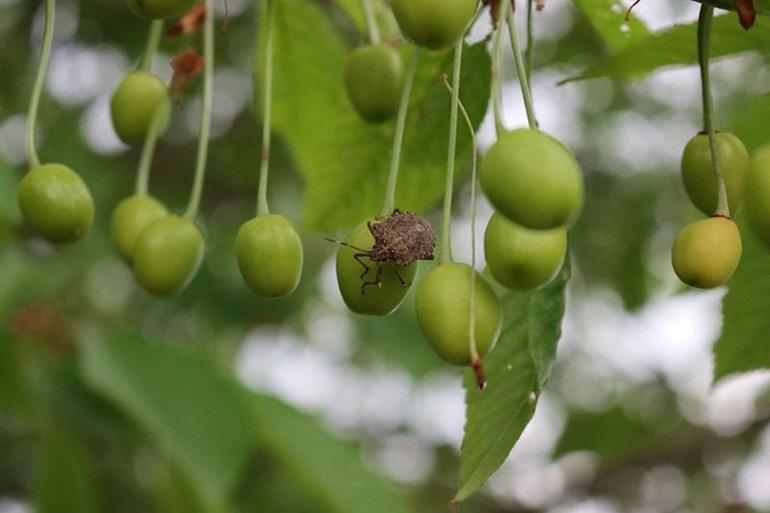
(344, 160)
(676, 46)
(14, 392)
(750, 122)
(190, 409)
(516, 368)
(607, 18)
(611, 434)
(328, 467)
(742, 346)
(65, 481)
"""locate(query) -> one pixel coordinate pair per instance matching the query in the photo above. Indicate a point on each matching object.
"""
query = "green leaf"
(607, 18)
(742, 347)
(496, 417)
(189, 409)
(611, 434)
(65, 481)
(676, 46)
(546, 310)
(516, 369)
(344, 160)
(328, 467)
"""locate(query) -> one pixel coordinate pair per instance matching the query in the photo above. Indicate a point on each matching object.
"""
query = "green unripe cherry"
(56, 203)
(134, 104)
(434, 24)
(443, 311)
(269, 253)
(374, 300)
(698, 176)
(161, 9)
(373, 78)
(129, 220)
(758, 194)
(167, 255)
(706, 253)
(520, 258)
(533, 180)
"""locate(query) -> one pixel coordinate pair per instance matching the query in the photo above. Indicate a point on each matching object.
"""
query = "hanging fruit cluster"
(532, 180)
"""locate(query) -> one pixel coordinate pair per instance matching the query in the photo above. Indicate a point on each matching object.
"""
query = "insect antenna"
(342, 243)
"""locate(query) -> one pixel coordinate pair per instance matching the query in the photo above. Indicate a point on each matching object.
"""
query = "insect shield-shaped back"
(376, 262)
(402, 238)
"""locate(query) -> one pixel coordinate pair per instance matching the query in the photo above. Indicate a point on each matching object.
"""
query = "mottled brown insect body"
(402, 238)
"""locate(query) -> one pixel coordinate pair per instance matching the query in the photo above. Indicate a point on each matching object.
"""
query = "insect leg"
(401, 278)
(376, 281)
(358, 257)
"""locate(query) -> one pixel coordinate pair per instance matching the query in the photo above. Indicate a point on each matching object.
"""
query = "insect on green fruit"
(707, 252)
(376, 263)
(699, 177)
(161, 9)
(56, 203)
(167, 255)
(434, 24)
(520, 258)
(269, 253)
(758, 194)
(129, 220)
(134, 104)
(442, 304)
(533, 180)
(373, 79)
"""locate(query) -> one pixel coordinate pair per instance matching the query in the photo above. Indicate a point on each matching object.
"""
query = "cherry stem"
(521, 70)
(398, 140)
(446, 227)
(371, 22)
(704, 39)
(37, 88)
(148, 150)
(473, 349)
(497, 63)
(153, 42)
(205, 127)
(530, 41)
(264, 170)
(478, 370)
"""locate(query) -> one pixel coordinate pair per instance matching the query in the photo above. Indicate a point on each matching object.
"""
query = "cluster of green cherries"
(164, 250)
(532, 180)
(706, 253)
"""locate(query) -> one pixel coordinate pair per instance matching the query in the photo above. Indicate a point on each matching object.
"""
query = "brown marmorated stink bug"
(402, 238)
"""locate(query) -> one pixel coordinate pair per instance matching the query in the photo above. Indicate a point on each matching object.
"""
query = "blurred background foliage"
(112, 400)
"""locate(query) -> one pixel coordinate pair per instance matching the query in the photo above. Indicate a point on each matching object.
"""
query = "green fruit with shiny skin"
(443, 311)
(56, 203)
(167, 255)
(698, 176)
(134, 103)
(707, 252)
(161, 9)
(533, 180)
(373, 79)
(520, 258)
(758, 194)
(129, 220)
(375, 300)
(434, 24)
(269, 253)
